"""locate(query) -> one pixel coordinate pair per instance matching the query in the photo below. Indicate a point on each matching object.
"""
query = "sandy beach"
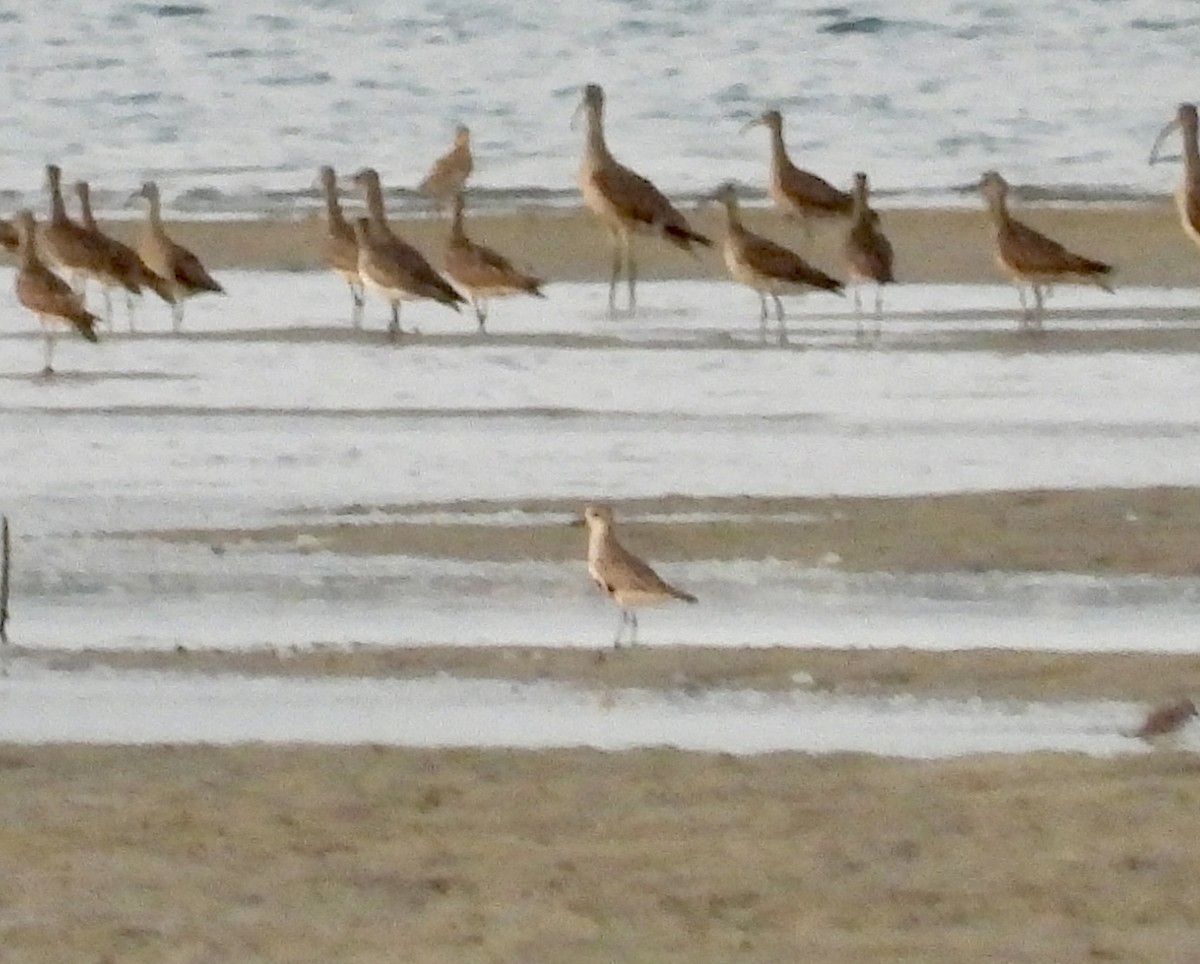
(933, 245)
(307, 853)
(315, 854)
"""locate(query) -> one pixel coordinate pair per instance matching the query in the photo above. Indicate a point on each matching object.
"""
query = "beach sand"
(267, 853)
(933, 245)
(364, 854)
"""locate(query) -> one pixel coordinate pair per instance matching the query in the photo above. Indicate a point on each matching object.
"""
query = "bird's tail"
(683, 236)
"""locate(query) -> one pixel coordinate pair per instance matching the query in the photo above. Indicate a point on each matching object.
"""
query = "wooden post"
(5, 567)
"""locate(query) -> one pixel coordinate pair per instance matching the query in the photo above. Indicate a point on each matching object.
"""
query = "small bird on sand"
(621, 575)
(1166, 719)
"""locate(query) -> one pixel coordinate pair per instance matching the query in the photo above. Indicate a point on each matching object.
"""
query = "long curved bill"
(1166, 132)
(756, 122)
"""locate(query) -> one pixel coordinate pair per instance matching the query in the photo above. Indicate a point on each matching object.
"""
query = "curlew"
(481, 272)
(180, 271)
(339, 249)
(797, 193)
(1166, 720)
(68, 245)
(624, 202)
(46, 294)
(1187, 195)
(1030, 258)
(124, 268)
(448, 175)
(621, 575)
(867, 252)
(391, 266)
(765, 266)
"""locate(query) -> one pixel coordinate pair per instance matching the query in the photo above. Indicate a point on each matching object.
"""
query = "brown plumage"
(867, 252)
(391, 266)
(123, 267)
(798, 193)
(68, 245)
(182, 274)
(765, 266)
(339, 249)
(45, 294)
(1187, 195)
(625, 202)
(1031, 258)
(449, 173)
(9, 239)
(1166, 719)
(621, 575)
(480, 271)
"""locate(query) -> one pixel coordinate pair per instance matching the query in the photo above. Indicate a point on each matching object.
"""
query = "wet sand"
(933, 245)
(374, 854)
(359, 854)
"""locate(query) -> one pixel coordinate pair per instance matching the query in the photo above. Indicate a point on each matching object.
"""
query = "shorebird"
(481, 272)
(621, 575)
(624, 202)
(1166, 719)
(67, 244)
(1187, 195)
(391, 266)
(449, 173)
(868, 253)
(46, 294)
(124, 267)
(799, 194)
(339, 249)
(1030, 258)
(182, 274)
(765, 266)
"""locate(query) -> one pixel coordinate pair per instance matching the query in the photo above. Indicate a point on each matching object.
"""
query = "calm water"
(233, 105)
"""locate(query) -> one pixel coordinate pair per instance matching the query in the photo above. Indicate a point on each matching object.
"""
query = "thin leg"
(620, 629)
(48, 351)
(108, 317)
(631, 274)
(634, 627)
(616, 274)
(356, 312)
(394, 330)
(878, 312)
(130, 311)
(1024, 308)
(779, 319)
(481, 312)
(177, 315)
(1038, 309)
(858, 321)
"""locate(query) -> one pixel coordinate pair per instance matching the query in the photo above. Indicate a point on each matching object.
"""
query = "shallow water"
(39, 706)
(233, 106)
(284, 416)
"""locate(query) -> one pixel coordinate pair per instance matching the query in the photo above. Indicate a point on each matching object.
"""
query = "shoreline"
(935, 245)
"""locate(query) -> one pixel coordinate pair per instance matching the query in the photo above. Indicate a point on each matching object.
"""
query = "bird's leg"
(48, 351)
(631, 274)
(130, 311)
(108, 319)
(356, 312)
(633, 627)
(1024, 307)
(177, 315)
(394, 330)
(616, 273)
(878, 312)
(779, 319)
(858, 320)
(620, 629)
(481, 312)
(1038, 309)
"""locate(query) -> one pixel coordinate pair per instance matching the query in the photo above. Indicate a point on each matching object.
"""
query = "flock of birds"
(369, 254)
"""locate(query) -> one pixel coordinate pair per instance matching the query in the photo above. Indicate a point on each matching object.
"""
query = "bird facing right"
(621, 575)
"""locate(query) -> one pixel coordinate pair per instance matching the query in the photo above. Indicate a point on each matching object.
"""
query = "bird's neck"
(58, 210)
(375, 205)
(779, 155)
(86, 216)
(333, 209)
(597, 149)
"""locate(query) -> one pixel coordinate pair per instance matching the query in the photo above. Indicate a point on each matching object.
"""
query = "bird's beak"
(575, 115)
(757, 122)
(1158, 141)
